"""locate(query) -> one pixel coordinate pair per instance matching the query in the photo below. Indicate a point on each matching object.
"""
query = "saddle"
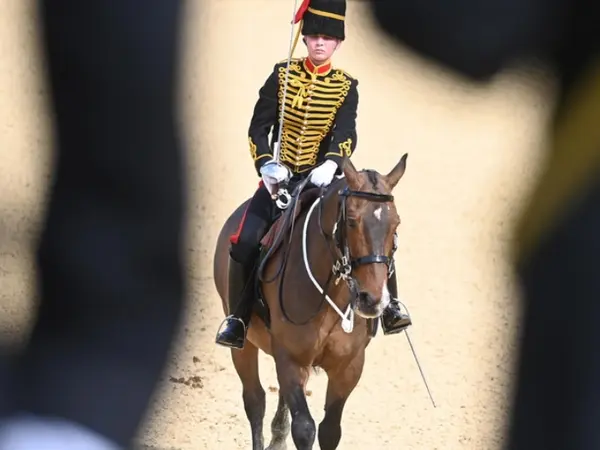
(273, 238)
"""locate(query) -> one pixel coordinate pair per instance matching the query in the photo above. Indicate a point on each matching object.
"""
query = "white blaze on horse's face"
(377, 213)
(386, 298)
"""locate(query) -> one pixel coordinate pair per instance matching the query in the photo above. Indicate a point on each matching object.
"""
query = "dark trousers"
(110, 256)
(260, 214)
(256, 221)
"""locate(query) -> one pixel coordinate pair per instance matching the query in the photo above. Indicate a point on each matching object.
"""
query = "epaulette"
(284, 61)
(345, 73)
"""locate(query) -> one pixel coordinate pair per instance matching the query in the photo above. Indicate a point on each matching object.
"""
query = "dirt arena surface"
(473, 153)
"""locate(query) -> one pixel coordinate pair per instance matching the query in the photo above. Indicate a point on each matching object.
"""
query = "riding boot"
(232, 332)
(393, 320)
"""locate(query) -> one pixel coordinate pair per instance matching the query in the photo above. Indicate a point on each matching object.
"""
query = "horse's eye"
(352, 223)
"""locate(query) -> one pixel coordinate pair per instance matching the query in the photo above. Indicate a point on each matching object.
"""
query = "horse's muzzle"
(370, 307)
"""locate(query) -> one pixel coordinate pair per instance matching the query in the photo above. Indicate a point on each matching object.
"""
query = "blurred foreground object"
(111, 276)
(557, 253)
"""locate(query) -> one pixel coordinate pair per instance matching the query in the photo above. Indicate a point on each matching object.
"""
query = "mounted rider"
(319, 130)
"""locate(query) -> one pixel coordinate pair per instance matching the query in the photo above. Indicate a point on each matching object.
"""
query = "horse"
(335, 244)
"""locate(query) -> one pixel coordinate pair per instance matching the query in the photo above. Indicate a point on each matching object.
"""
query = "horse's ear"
(397, 172)
(350, 172)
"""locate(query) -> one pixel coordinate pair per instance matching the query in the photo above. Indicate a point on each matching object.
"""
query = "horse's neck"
(321, 252)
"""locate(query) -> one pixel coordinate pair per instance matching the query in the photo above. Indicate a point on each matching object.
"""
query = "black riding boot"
(232, 332)
(393, 320)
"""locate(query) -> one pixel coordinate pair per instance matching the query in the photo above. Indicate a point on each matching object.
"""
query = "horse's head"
(365, 234)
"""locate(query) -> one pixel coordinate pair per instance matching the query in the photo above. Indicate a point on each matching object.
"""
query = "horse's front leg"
(246, 365)
(341, 382)
(292, 381)
(280, 426)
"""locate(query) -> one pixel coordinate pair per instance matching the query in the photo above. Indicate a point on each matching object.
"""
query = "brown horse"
(347, 235)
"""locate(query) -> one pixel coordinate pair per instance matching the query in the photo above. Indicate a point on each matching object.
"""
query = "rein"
(340, 252)
(288, 216)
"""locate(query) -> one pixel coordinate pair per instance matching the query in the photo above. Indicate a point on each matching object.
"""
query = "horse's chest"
(339, 347)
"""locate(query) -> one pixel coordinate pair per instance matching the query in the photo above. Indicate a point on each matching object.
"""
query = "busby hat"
(322, 17)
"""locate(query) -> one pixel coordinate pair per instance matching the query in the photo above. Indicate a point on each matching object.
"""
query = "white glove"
(322, 175)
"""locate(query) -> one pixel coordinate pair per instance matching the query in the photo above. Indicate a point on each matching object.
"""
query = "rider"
(319, 129)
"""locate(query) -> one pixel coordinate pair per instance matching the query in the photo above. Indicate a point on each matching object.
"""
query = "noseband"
(344, 263)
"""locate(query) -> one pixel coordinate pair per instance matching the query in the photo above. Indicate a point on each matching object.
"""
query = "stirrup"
(392, 331)
(399, 304)
(227, 320)
(233, 342)
(398, 329)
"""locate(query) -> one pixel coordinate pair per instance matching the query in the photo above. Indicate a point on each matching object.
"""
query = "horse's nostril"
(366, 299)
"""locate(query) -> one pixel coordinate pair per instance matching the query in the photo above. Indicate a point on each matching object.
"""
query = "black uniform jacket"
(319, 116)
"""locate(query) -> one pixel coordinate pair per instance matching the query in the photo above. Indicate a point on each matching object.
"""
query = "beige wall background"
(473, 154)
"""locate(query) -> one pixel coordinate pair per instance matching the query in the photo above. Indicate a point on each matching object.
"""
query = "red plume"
(301, 11)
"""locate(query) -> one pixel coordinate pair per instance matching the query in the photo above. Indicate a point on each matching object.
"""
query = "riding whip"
(412, 348)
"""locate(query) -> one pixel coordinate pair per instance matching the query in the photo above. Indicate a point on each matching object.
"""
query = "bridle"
(338, 245)
(344, 262)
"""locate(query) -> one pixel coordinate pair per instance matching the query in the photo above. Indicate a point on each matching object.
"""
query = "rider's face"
(321, 48)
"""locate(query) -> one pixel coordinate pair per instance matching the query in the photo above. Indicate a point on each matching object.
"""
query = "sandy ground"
(473, 155)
